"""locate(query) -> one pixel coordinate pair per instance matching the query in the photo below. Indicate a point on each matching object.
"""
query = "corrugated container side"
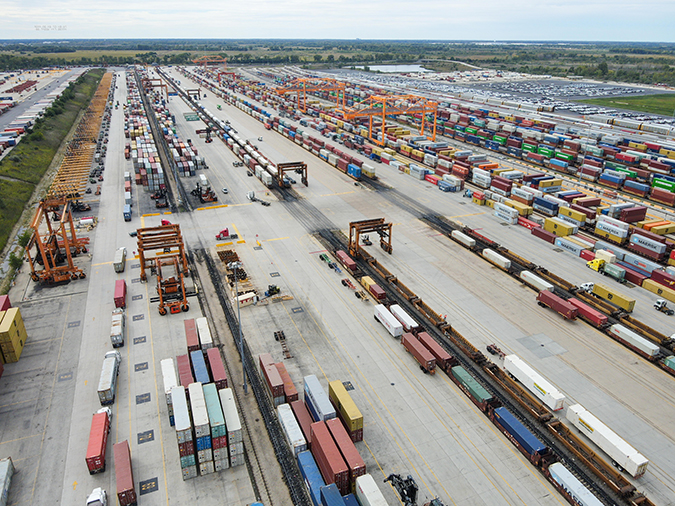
(312, 476)
(124, 474)
(328, 457)
(348, 450)
(304, 419)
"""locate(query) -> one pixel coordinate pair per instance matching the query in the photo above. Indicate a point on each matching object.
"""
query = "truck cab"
(596, 264)
(98, 497)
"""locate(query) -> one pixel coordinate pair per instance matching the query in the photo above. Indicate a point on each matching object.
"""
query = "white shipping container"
(463, 238)
(568, 246)
(605, 255)
(632, 338)
(613, 445)
(403, 317)
(392, 325)
(316, 395)
(532, 191)
(536, 281)
(571, 221)
(506, 210)
(181, 414)
(169, 377)
(204, 332)
(577, 490)
(6, 473)
(603, 226)
(520, 192)
(496, 258)
(291, 429)
(231, 415)
(200, 415)
(622, 225)
(534, 382)
(367, 492)
(108, 378)
(650, 244)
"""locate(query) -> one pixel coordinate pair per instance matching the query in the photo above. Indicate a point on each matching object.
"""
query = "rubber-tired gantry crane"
(309, 84)
(213, 61)
(383, 106)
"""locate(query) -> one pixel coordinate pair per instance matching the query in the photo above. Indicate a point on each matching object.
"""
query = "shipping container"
(614, 297)
(423, 356)
(328, 457)
(317, 401)
(199, 367)
(304, 418)
(170, 380)
(184, 370)
(124, 474)
(630, 338)
(217, 368)
(290, 392)
(470, 386)
(409, 325)
(368, 493)
(497, 259)
(519, 435)
(118, 328)
(232, 421)
(204, 333)
(6, 473)
(108, 379)
(576, 490)
(330, 496)
(561, 306)
(534, 382)
(622, 453)
(191, 335)
(120, 260)
(348, 451)
(98, 441)
(311, 475)
(291, 428)
(346, 409)
(120, 294)
(443, 359)
(384, 316)
(588, 313)
(536, 281)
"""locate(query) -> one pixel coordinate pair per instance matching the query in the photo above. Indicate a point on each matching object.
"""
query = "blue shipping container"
(526, 439)
(545, 203)
(636, 186)
(559, 163)
(611, 179)
(203, 443)
(312, 476)
(514, 151)
(473, 139)
(330, 496)
(354, 171)
(199, 367)
(350, 500)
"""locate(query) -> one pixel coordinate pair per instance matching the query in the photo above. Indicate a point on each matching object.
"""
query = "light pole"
(234, 266)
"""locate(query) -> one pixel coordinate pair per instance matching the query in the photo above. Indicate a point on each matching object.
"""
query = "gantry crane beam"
(305, 84)
(147, 83)
(383, 106)
(211, 61)
(356, 228)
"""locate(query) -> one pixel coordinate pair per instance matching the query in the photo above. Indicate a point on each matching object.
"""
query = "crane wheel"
(162, 311)
(83, 275)
(34, 277)
(185, 308)
(73, 277)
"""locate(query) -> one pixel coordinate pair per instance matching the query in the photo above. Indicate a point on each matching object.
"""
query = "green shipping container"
(501, 140)
(529, 147)
(662, 183)
(670, 362)
(614, 165)
(594, 151)
(615, 271)
(564, 156)
(548, 153)
(475, 388)
(483, 135)
(471, 130)
(479, 123)
(629, 172)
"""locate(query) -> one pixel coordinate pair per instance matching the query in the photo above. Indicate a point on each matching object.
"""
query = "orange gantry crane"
(383, 106)
(211, 61)
(55, 245)
(310, 84)
(147, 84)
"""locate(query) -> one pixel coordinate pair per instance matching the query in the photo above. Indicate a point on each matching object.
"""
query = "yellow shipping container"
(350, 414)
(496, 172)
(390, 151)
(664, 229)
(340, 123)
(490, 203)
(604, 292)
(417, 152)
(377, 151)
(557, 228)
(522, 209)
(406, 149)
(12, 328)
(606, 235)
(571, 213)
(547, 183)
(641, 224)
(480, 202)
(367, 281)
(659, 289)
(573, 239)
(402, 159)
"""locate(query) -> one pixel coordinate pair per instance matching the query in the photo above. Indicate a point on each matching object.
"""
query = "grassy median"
(23, 168)
(663, 104)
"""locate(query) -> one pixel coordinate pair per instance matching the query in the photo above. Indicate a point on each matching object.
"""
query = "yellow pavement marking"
(224, 244)
(21, 438)
(464, 215)
(150, 214)
(102, 263)
(276, 239)
(339, 193)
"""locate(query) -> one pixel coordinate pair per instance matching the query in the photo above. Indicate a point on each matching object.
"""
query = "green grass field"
(28, 162)
(663, 104)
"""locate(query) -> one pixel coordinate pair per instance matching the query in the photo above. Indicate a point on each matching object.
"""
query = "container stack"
(235, 440)
(221, 459)
(348, 450)
(170, 382)
(186, 447)
(290, 392)
(13, 334)
(346, 409)
(191, 335)
(204, 333)
(199, 367)
(184, 370)
(318, 403)
(328, 458)
(200, 418)
(273, 381)
(291, 429)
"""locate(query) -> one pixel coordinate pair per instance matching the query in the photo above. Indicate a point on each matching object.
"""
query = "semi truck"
(98, 497)
(127, 212)
(98, 440)
(108, 380)
(120, 261)
(118, 328)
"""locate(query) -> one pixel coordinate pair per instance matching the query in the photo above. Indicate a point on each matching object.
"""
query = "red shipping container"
(120, 296)
(524, 222)
(346, 260)
(587, 255)
(349, 452)
(564, 308)
(590, 214)
(543, 234)
(663, 278)
(304, 419)
(274, 383)
(443, 358)
(265, 359)
(663, 196)
(290, 392)
(328, 457)
(588, 313)
(589, 202)
(633, 276)
(219, 442)
(633, 214)
(5, 304)
(184, 371)
(423, 356)
(191, 336)
(377, 292)
(342, 164)
(124, 474)
(98, 440)
(217, 368)
(646, 252)
(649, 235)
(186, 448)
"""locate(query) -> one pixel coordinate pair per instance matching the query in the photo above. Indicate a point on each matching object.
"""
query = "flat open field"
(656, 104)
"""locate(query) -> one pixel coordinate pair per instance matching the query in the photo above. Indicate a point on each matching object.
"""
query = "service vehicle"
(98, 497)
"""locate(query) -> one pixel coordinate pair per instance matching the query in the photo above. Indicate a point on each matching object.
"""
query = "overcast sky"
(584, 20)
